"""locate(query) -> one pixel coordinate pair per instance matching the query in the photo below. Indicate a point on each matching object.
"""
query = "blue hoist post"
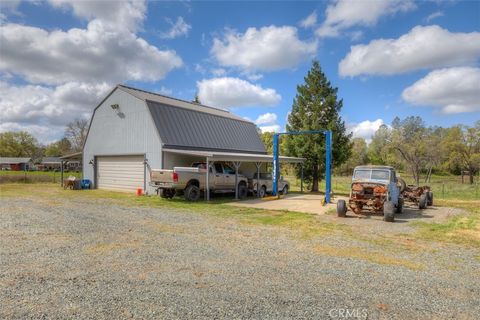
(328, 160)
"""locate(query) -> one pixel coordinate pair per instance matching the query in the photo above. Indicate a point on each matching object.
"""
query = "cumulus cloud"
(81, 55)
(68, 71)
(45, 111)
(177, 29)
(229, 92)
(267, 122)
(454, 90)
(114, 15)
(365, 129)
(434, 15)
(265, 49)
(344, 14)
(421, 48)
(309, 21)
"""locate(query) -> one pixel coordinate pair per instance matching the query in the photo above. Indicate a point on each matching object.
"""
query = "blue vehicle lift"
(328, 160)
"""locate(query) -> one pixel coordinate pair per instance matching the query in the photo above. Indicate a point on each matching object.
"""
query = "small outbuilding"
(15, 164)
(132, 131)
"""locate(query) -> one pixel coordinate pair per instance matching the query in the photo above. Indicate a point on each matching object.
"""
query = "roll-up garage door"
(120, 173)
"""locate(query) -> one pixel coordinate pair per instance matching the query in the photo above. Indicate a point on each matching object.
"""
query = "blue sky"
(58, 58)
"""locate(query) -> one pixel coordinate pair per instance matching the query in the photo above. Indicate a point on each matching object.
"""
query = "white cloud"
(272, 128)
(421, 48)
(344, 14)
(267, 122)
(45, 111)
(229, 92)
(454, 90)
(309, 21)
(268, 48)
(218, 72)
(365, 129)
(179, 28)
(165, 91)
(434, 15)
(113, 15)
(266, 119)
(81, 55)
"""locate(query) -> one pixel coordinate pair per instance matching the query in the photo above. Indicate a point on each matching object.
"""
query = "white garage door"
(121, 173)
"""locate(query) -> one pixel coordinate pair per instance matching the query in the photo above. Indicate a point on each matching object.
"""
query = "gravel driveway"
(91, 259)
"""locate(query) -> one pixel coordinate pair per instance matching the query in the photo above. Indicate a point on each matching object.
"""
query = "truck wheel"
(399, 207)
(422, 203)
(429, 198)
(192, 193)
(242, 191)
(402, 184)
(167, 193)
(341, 208)
(388, 211)
(285, 189)
(262, 192)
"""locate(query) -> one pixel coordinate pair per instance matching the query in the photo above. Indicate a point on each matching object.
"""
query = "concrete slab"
(309, 203)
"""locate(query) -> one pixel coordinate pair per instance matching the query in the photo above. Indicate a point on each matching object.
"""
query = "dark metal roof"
(180, 127)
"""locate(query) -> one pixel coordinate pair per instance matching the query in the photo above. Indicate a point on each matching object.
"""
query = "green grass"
(460, 229)
(34, 176)
(443, 186)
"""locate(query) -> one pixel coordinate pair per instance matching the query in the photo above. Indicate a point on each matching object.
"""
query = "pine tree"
(317, 107)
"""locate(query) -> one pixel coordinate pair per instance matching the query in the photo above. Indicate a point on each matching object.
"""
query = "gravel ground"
(87, 259)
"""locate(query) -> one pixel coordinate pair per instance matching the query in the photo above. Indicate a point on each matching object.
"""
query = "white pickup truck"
(192, 180)
(264, 184)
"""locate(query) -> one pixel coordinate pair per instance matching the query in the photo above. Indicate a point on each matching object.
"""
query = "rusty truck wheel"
(388, 211)
(341, 208)
(422, 203)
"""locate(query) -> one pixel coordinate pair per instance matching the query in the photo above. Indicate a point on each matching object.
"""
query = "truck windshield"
(371, 174)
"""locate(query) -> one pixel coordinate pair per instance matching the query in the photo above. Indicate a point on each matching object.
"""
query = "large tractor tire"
(192, 193)
(388, 211)
(341, 208)
(422, 203)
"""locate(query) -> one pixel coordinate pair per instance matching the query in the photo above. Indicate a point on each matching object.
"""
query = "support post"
(328, 157)
(275, 165)
(236, 166)
(258, 164)
(301, 180)
(144, 174)
(61, 173)
(207, 181)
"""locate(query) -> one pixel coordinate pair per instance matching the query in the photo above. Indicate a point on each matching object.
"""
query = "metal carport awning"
(236, 158)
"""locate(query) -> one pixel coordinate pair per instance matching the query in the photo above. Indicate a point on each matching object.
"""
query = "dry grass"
(370, 256)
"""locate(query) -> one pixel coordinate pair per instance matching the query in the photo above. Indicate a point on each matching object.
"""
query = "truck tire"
(167, 193)
(242, 191)
(399, 207)
(422, 203)
(262, 192)
(341, 208)
(429, 198)
(192, 193)
(402, 184)
(388, 211)
(285, 189)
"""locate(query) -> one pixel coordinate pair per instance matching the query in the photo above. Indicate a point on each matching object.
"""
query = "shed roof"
(10, 160)
(182, 128)
(235, 156)
(51, 160)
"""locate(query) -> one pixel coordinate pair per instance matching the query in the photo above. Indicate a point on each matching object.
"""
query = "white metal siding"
(128, 131)
(122, 173)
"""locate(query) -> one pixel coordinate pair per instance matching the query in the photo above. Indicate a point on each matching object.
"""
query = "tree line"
(409, 145)
(23, 144)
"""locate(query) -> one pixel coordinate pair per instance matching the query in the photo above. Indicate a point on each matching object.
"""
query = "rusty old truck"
(191, 181)
(376, 189)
